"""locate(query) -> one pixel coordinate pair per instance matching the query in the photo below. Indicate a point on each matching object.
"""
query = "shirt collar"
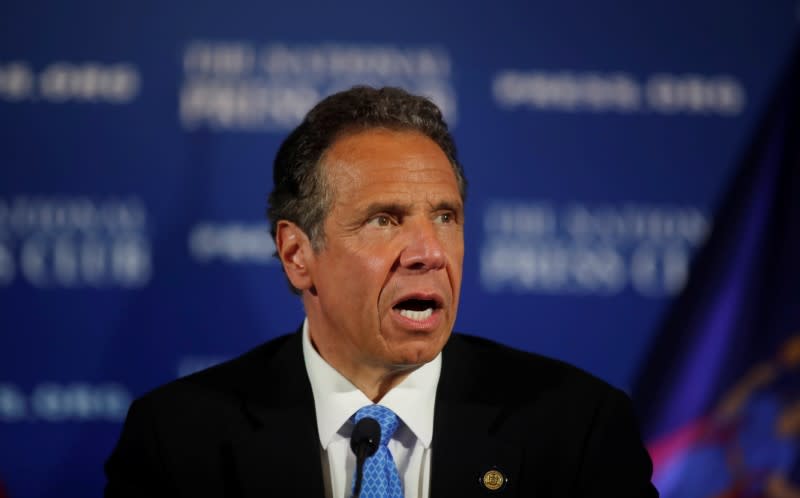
(336, 399)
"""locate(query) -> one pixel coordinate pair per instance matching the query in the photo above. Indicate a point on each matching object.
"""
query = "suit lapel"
(464, 444)
(282, 458)
(279, 455)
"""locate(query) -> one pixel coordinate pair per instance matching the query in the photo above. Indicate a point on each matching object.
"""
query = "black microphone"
(364, 442)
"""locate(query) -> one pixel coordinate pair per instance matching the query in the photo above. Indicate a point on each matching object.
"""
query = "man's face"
(386, 282)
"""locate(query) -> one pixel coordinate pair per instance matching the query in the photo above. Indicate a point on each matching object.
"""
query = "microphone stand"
(364, 443)
(361, 457)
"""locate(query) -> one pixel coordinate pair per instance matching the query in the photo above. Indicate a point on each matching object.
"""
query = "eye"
(445, 218)
(380, 220)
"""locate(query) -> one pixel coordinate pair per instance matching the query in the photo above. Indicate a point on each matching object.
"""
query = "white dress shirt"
(336, 400)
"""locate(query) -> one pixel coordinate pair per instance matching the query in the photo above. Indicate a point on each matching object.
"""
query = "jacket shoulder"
(491, 364)
(261, 368)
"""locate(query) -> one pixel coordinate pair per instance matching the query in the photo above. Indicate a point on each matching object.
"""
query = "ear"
(295, 252)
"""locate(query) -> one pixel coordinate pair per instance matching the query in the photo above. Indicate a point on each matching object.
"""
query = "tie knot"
(385, 417)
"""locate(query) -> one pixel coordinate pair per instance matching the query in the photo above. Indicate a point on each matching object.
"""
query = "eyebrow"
(388, 207)
(456, 207)
(398, 207)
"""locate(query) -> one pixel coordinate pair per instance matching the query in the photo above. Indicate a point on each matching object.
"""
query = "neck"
(376, 385)
(372, 380)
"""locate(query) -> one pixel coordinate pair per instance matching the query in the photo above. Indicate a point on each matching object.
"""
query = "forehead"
(388, 161)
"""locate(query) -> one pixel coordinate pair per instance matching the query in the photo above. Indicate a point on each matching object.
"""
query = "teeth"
(417, 315)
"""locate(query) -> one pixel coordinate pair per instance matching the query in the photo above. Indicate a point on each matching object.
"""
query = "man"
(368, 218)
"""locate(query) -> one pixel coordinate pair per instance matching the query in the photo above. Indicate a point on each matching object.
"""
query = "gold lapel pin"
(493, 480)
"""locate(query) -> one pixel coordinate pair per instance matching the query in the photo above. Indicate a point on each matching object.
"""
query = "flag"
(719, 395)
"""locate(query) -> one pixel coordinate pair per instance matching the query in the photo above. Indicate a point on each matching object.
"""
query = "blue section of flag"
(718, 397)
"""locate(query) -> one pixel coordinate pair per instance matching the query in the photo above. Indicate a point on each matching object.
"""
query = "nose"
(423, 250)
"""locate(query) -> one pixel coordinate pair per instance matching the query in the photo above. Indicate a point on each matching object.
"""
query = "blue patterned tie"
(381, 479)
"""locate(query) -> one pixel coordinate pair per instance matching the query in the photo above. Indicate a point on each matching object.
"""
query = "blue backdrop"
(137, 143)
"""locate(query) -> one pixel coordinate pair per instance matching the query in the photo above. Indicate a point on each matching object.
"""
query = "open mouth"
(417, 309)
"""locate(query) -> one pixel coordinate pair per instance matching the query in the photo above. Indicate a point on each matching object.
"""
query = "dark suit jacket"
(247, 428)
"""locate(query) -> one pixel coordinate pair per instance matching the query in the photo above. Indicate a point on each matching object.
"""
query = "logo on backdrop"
(64, 402)
(62, 81)
(575, 92)
(233, 243)
(581, 249)
(74, 242)
(243, 86)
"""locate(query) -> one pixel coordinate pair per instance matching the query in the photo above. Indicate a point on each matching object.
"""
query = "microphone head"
(366, 432)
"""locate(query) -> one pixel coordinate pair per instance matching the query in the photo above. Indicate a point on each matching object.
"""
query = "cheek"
(370, 269)
(377, 264)
(377, 256)
(455, 251)
(454, 245)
